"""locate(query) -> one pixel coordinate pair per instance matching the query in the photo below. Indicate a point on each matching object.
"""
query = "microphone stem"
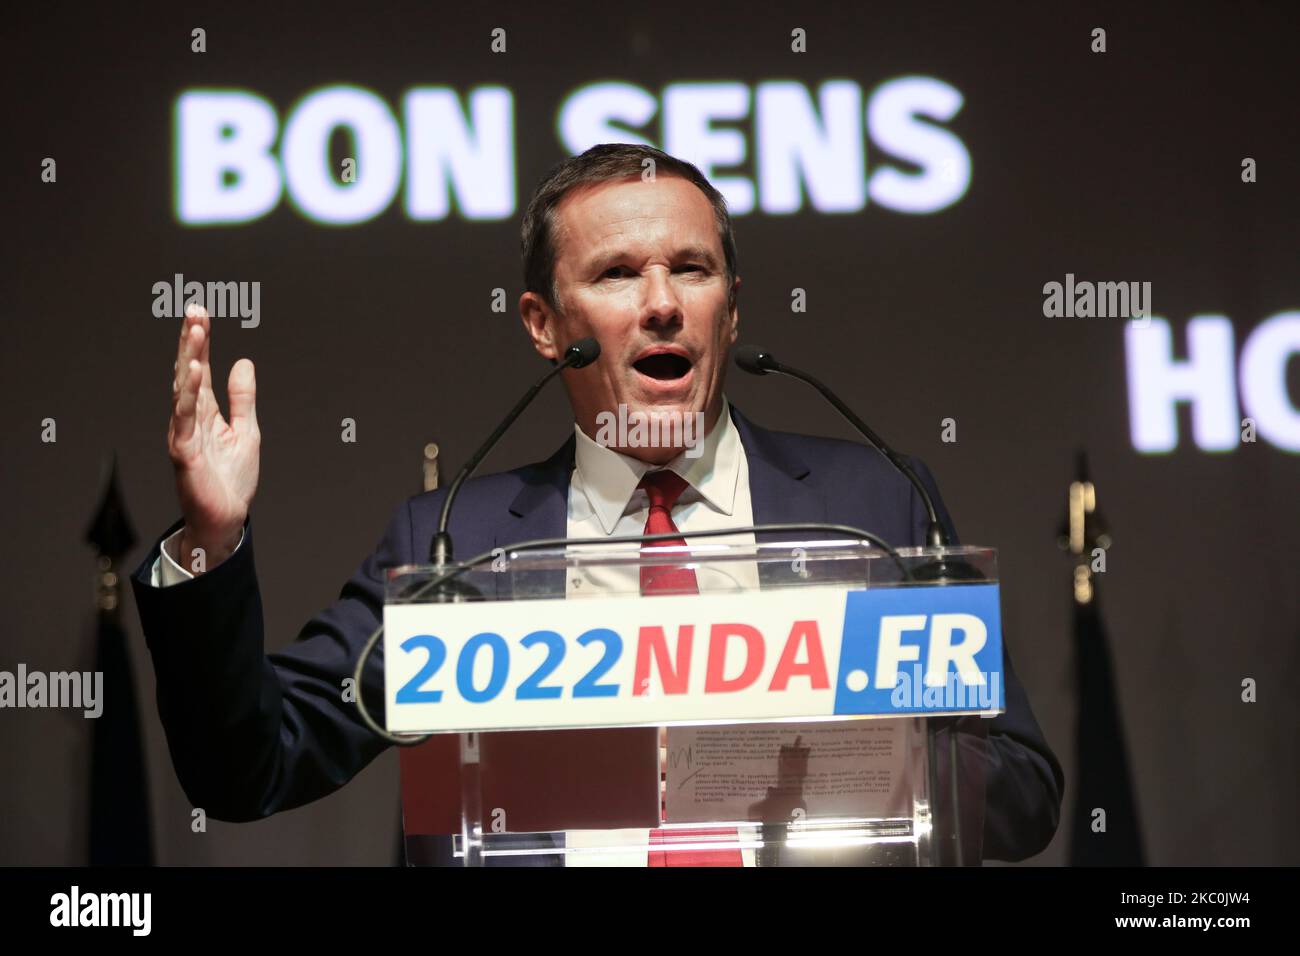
(935, 535)
(441, 549)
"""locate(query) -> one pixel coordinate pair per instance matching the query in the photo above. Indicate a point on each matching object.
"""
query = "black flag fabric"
(120, 832)
(1104, 828)
(1105, 782)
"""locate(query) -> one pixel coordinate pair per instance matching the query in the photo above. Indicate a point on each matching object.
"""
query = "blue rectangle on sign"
(921, 650)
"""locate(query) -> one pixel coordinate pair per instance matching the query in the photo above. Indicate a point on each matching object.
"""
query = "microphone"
(757, 361)
(578, 355)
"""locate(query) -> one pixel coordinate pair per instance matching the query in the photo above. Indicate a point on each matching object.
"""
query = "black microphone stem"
(935, 535)
(578, 355)
(759, 362)
(441, 551)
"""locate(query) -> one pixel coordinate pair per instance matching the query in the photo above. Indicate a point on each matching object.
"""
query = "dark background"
(1122, 166)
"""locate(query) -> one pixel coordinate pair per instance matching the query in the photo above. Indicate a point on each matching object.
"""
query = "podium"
(817, 702)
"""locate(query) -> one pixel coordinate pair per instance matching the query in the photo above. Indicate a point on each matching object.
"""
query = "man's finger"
(205, 349)
(196, 316)
(197, 347)
(242, 389)
(180, 349)
(190, 345)
(187, 401)
(191, 318)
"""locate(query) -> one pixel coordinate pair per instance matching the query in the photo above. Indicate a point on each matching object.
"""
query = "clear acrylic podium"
(860, 791)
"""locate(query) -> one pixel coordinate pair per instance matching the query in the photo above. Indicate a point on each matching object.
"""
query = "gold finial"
(430, 467)
(1083, 533)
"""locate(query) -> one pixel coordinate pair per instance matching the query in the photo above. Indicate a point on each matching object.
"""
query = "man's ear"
(539, 323)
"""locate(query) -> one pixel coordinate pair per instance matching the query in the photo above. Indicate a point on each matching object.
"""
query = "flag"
(1104, 827)
(119, 792)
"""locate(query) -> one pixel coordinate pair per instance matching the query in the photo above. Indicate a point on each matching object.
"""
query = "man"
(633, 248)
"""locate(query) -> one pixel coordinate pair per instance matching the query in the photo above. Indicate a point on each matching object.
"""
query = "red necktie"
(663, 489)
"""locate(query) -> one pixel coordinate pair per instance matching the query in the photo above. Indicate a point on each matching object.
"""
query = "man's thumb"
(242, 388)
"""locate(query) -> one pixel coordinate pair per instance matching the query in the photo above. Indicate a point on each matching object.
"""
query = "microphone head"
(754, 360)
(582, 353)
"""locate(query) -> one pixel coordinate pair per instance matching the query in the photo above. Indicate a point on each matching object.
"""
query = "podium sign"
(789, 713)
(820, 652)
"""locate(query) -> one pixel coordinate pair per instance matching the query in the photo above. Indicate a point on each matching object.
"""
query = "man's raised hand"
(215, 461)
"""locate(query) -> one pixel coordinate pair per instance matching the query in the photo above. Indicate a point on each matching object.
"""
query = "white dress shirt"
(604, 501)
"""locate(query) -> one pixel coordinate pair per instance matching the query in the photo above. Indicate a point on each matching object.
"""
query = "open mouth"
(663, 366)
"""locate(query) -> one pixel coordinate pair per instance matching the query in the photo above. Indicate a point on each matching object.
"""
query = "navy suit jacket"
(252, 733)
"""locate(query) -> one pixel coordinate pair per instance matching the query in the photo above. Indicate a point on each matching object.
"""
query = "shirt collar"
(609, 478)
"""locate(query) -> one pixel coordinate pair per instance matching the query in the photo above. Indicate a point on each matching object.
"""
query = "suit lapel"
(778, 491)
(777, 486)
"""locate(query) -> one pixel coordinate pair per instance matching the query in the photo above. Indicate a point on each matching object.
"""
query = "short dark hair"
(603, 163)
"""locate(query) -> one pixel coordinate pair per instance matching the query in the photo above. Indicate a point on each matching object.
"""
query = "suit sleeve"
(1024, 782)
(252, 733)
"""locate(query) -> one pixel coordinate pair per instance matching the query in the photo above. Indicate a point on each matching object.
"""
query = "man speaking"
(624, 244)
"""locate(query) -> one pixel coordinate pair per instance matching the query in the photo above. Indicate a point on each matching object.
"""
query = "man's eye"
(615, 272)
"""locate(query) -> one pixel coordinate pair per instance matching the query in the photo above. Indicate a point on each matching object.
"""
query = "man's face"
(639, 267)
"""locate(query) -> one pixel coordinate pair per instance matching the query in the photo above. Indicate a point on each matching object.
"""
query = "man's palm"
(216, 462)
